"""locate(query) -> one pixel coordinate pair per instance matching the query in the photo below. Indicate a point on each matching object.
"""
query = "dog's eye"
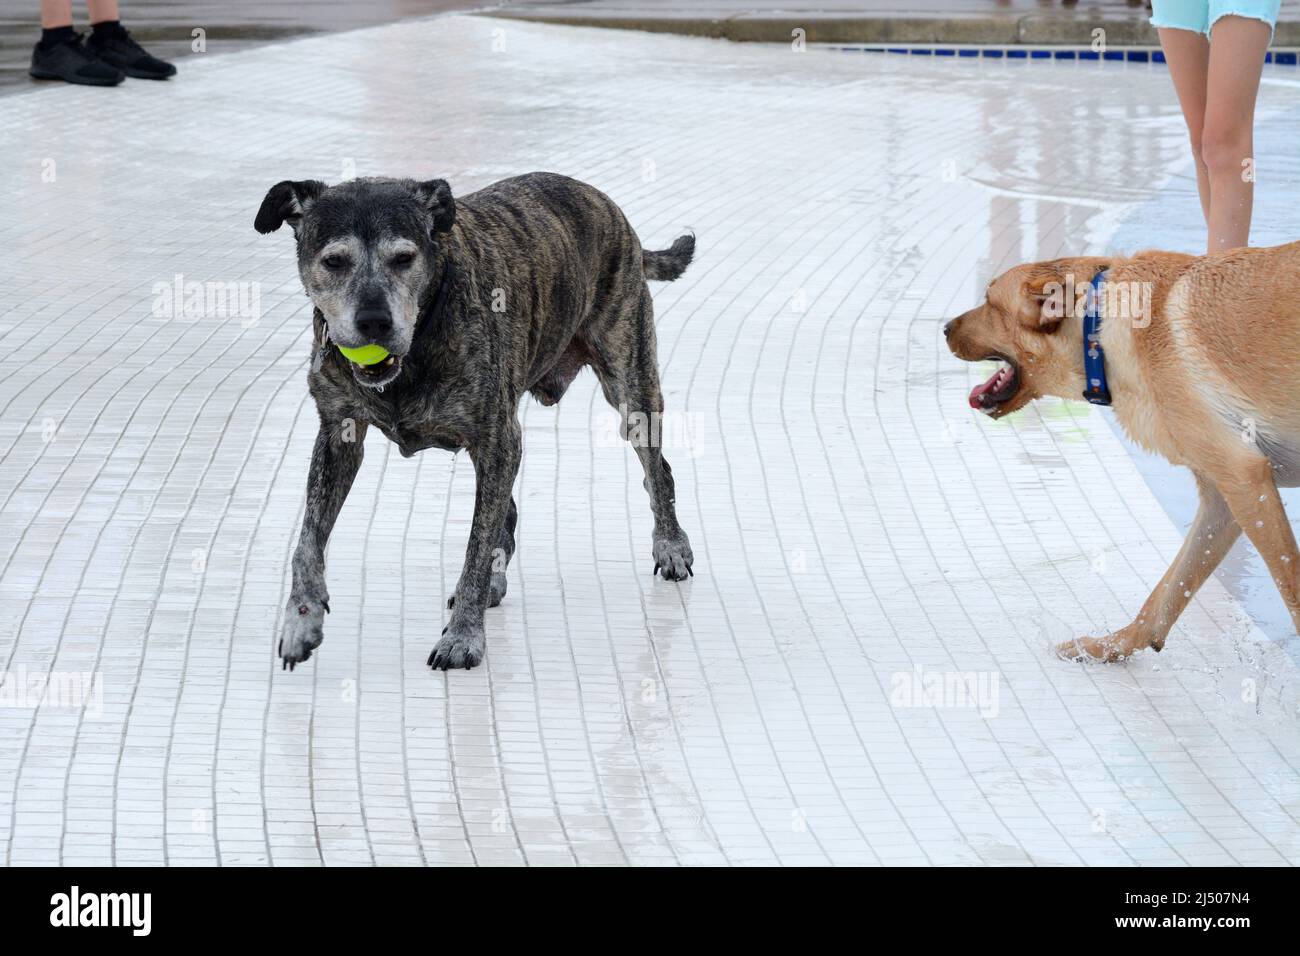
(402, 260)
(335, 263)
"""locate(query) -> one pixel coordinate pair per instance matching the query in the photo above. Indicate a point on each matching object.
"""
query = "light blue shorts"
(1200, 15)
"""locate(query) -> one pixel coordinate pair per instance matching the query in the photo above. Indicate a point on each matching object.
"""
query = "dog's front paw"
(673, 557)
(496, 591)
(302, 633)
(1118, 646)
(461, 645)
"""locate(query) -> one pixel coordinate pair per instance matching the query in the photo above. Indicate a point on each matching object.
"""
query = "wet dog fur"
(510, 290)
(1209, 378)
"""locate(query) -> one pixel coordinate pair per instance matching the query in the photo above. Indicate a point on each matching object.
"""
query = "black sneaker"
(116, 48)
(70, 60)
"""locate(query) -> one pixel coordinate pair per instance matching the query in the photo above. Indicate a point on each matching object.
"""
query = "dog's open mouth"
(1000, 388)
(379, 374)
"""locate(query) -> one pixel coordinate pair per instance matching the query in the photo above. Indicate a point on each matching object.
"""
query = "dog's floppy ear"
(286, 202)
(1046, 296)
(436, 195)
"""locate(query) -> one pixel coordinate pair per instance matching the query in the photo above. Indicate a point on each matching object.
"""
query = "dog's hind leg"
(1211, 535)
(624, 361)
(496, 462)
(501, 555)
(334, 462)
(1251, 493)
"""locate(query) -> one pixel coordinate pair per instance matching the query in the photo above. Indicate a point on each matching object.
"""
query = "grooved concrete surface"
(859, 533)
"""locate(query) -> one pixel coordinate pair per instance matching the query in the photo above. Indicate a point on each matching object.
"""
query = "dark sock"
(105, 27)
(55, 35)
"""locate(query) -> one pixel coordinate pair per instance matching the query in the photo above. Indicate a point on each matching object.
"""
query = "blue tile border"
(1128, 54)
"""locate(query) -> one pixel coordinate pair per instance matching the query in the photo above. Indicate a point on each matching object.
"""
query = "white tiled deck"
(852, 521)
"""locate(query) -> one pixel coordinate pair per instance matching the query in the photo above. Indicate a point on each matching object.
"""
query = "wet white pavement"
(858, 532)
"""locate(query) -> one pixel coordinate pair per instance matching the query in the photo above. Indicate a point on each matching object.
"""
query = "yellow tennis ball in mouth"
(366, 354)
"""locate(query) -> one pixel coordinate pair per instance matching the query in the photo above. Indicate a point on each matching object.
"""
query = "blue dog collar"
(1094, 359)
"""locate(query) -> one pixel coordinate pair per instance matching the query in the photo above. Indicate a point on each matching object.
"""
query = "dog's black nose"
(374, 324)
(947, 328)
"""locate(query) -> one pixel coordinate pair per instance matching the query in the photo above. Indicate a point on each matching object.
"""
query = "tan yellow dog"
(1202, 361)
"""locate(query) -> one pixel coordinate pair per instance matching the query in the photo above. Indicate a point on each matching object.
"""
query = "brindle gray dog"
(512, 289)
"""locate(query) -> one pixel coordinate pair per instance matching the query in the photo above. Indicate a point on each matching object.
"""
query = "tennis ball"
(366, 354)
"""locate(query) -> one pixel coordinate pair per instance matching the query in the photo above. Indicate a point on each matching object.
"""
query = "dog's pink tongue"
(979, 391)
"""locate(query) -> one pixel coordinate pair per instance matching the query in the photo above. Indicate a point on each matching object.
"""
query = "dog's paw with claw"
(496, 591)
(304, 621)
(461, 645)
(1118, 646)
(673, 558)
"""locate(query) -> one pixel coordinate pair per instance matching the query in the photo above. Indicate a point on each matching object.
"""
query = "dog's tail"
(668, 264)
